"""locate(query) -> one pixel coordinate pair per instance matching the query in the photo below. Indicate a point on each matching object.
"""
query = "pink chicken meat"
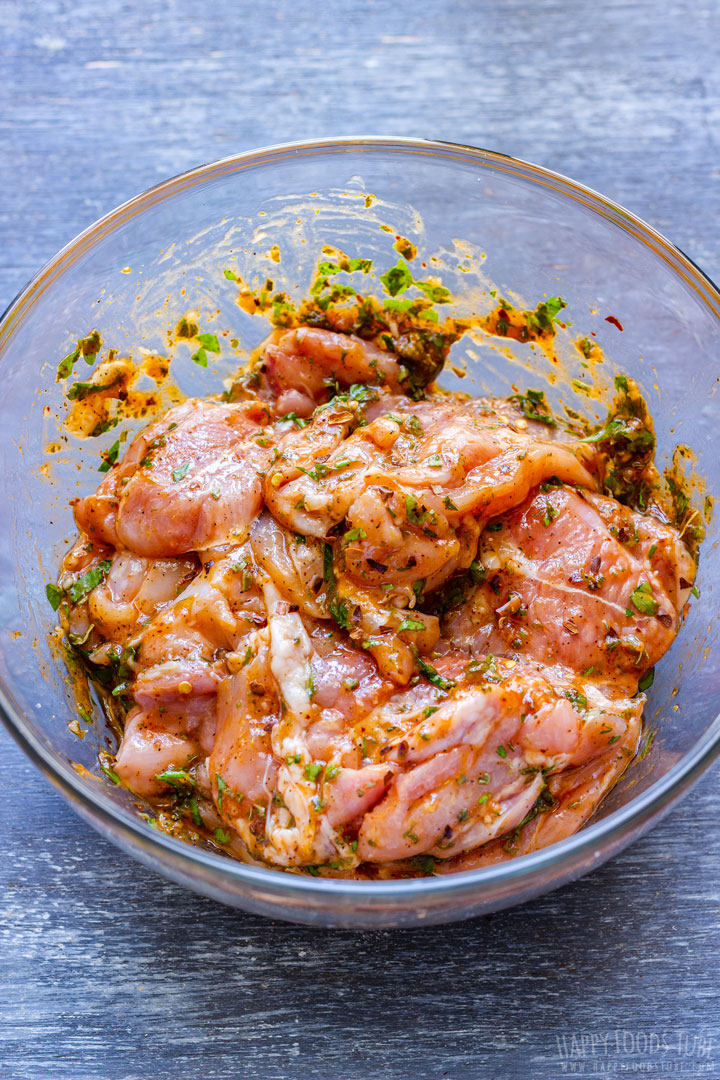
(361, 634)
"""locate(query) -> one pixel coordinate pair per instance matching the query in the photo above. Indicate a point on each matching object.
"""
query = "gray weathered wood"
(109, 972)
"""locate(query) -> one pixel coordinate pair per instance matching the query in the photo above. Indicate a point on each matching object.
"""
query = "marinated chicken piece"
(314, 480)
(188, 482)
(650, 539)
(294, 563)
(209, 617)
(567, 585)
(414, 485)
(298, 773)
(241, 763)
(178, 661)
(300, 365)
(570, 799)
(134, 590)
(456, 457)
(476, 765)
(152, 743)
(113, 594)
(281, 736)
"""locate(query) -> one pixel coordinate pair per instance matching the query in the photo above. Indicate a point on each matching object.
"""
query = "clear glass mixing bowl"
(541, 234)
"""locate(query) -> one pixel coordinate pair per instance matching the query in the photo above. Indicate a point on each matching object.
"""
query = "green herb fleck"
(88, 581)
(647, 680)
(534, 406)
(181, 472)
(643, 600)
(337, 608)
(110, 457)
(110, 774)
(177, 778)
(80, 390)
(209, 342)
(55, 595)
(398, 278)
(195, 813)
(87, 347)
(647, 745)
(432, 674)
(354, 534)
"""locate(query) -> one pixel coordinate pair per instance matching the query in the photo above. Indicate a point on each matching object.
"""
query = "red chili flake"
(614, 321)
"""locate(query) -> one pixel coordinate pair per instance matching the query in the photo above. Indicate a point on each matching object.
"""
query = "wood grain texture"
(109, 972)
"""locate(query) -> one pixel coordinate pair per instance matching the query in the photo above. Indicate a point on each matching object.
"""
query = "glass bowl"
(532, 233)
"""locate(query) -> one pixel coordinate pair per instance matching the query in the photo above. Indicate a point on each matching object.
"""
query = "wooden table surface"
(108, 971)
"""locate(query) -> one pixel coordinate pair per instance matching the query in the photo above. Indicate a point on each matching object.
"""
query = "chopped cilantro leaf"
(110, 457)
(80, 390)
(398, 278)
(181, 472)
(195, 813)
(647, 679)
(295, 418)
(533, 405)
(399, 304)
(177, 778)
(438, 294)
(352, 535)
(87, 347)
(209, 342)
(643, 600)
(88, 581)
(54, 595)
(433, 675)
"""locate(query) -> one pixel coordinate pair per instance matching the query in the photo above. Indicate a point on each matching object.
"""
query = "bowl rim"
(593, 839)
